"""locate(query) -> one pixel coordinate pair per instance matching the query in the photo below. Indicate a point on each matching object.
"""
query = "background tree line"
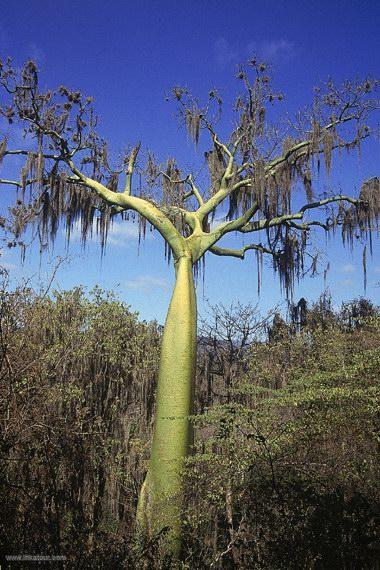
(284, 473)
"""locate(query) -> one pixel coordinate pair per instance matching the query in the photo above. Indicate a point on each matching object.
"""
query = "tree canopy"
(255, 174)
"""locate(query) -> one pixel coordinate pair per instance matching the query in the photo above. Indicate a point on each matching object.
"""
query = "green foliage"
(77, 386)
(284, 473)
(287, 476)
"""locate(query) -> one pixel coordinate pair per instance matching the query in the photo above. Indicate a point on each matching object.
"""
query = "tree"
(67, 176)
(77, 379)
(223, 339)
(286, 475)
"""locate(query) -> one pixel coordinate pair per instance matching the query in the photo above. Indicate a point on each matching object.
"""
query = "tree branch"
(277, 221)
(224, 190)
(114, 198)
(187, 180)
(303, 146)
(306, 226)
(209, 239)
(306, 143)
(129, 172)
(239, 253)
(146, 209)
(10, 182)
(194, 189)
(27, 152)
(238, 223)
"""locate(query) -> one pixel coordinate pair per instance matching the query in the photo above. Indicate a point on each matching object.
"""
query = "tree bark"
(161, 497)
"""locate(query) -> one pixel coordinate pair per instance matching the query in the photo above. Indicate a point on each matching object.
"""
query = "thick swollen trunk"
(161, 497)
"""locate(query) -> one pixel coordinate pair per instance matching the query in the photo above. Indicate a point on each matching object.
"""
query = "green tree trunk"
(161, 497)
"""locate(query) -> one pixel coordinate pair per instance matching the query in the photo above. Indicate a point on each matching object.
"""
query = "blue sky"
(129, 54)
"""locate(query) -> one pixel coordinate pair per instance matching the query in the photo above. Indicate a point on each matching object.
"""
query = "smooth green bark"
(161, 497)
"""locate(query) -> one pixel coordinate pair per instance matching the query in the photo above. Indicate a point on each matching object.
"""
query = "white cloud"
(273, 50)
(146, 282)
(347, 282)
(7, 261)
(120, 234)
(278, 49)
(348, 268)
(7, 265)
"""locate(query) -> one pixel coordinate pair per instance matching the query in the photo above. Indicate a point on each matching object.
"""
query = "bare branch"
(194, 189)
(15, 183)
(306, 226)
(129, 171)
(28, 152)
(238, 223)
(306, 144)
(114, 198)
(292, 156)
(239, 253)
(279, 220)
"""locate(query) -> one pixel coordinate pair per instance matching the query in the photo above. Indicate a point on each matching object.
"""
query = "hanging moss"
(216, 163)
(328, 143)
(75, 205)
(142, 223)
(113, 182)
(369, 207)
(288, 260)
(193, 122)
(364, 261)
(315, 137)
(172, 185)
(3, 148)
(307, 184)
(259, 262)
(260, 184)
